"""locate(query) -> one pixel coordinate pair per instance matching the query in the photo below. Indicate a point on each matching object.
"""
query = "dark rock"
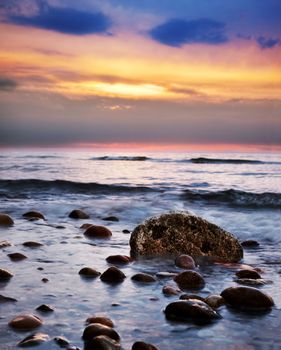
(143, 277)
(89, 272)
(169, 290)
(78, 214)
(4, 299)
(112, 275)
(185, 262)
(245, 273)
(33, 340)
(140, 345)
(102, 342)
(5, 275)
(96, 329)
(118, 259)
(45, 280)
(61, 341)
(32, 244)
(214, 301)
(85, 226)
(250, 243)
(95, 231)
(45, 308)
(256, 282)
(184, 233)
(40, 268)
(5, 244)
(17, 256)
(33, 215)
(126, 231)
(191, 296)
(6, 220)
(111, 218)
(191, 310)
(25, 322)
(100, 319)
(247, 298)
(189, 279)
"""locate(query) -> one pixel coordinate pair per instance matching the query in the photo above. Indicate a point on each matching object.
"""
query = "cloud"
(177, 32)
(64, 20)
(7, 84)
(267, 43)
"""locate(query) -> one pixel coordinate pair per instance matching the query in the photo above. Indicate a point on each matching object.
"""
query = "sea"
(240, 192)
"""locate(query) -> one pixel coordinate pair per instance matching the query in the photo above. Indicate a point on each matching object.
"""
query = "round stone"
(185, 262)
(118, 259)
(250, 243)
(45, 308)
(25, 322)
(189, 280)
(102, 342)
(169, 290)
(32, 244)
(78, 214)
(95, 329)
(111, 218)
(112, 275)
(143, 277)
(100, 319)
(5, 275)
(33, 340)
(245, 273)
(214, 301)
(6, 220)
(17, 256)
(140, 345)
(89, 272)
(33, 215)
(95, 231)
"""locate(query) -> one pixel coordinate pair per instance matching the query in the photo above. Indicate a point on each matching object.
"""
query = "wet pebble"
(250, 243)
(111, 218)
(32, 244)
(112, 275)
(25, 322)
(45, 308)
(126, 231)
(45, 280)
(6, 220)
(191, 296)
(247, 298)
(247, 273)
(169, 290)
(95, 231)
(102, 342)
(96, 329)
(118, 259)
(140, 345)
(17, 256)
(61, 341)
(214, 301)
(100, 319)
(5, 275)
(33, 215)
(185, 262)
(78, 214)
(33, 340)
(143, 277)
(191, 310)
(4, 299)
(189, 279)
(89, 272)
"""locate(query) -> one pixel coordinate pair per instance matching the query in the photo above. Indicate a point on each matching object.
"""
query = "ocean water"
(237, 191)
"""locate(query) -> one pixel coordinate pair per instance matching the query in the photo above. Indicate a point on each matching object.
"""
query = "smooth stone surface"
(189, 279)
(214, 301)
(111, 218)
(6, 220)
(191, 296)
(4, 299)
(140, 345)
(25, 322)
(45, 280)
(33, 340)
(190, 310)
(5, 244)
(126, 231)
(95, 231)
(61, 341)
(250, 243)
(85, 226)
(5, 275)
(100, 319)
(118, 259)
(33, 214)
(169, 290)
(17, 256)
(89, 272)
(185, 262)
(247, 298)
(78, 214)
(45, 308)
(112, 275)
(143, 277)
(184, 233)
(256, 282)
(32, 244)
(102, 342)
(96, 329)
(245, 273)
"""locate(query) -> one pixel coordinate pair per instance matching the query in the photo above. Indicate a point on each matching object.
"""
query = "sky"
(150, 73)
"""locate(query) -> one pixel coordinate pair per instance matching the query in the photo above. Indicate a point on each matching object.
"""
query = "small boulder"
(140, 345)
(191, 296)
(250, 243)
(95, 329)
(100, 319)
(78, 214)
(95, 231)
(45, 308)
(33, 340)
(245, 273)
(32, 244)
(214, 301)
(25, 322)
(102, 342)
(17, 256)
(185, 262)
(247, 298)
(61, 341)
(191, 310)
(6, 220)
(33, 215)
(5, 275)
(184, 233)
(89, 272)
(4, 299)
(118, 259)
(126, 231)
(111, 218)
(169, 290)
(143, 277)
(189, 279)
(113, 275)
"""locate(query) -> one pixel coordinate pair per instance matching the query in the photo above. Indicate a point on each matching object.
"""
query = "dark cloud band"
(7, 84)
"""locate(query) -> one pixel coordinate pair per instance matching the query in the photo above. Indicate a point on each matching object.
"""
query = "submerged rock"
(33, 340)
(143, 277)
(17, 256)
(112, 275)
(169, 290)
(140, 345)
(4, 299)
(100, 319)
(247, 273)
(5, 275)
(32, 244)
(102, 342)
(33, 215)
(25, 322)
(184, 233)
(78, 214)
(185, 262)
(89, 272)
(61, 341)
(190, 310)
(95, 329)
(95, 231)
(6, 220)
(247, 298)
(189, 279)
(111, 218)
(250, 243)
(118, 259)
(45, 308)
(214, 301)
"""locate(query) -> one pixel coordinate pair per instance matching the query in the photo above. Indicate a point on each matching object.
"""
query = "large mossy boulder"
(184, 233)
